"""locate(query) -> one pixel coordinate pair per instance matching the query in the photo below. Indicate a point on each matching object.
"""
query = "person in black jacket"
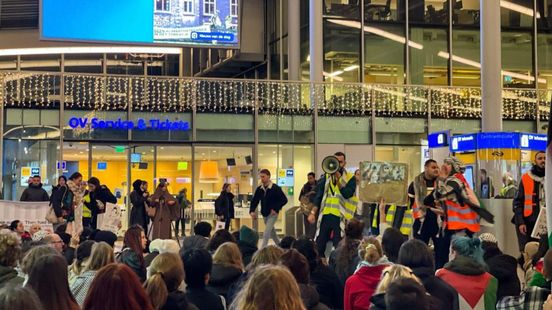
(61, 208)
(415, 254)
(139, 200)
(272, 200)
(132, 254)
(197, 267)
(35, 192)
(224, 205)
(100, 195)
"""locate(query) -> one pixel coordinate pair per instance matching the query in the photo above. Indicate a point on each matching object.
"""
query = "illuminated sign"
(285, 177)
(463, 143)
(438, 139)
(533, 142)
(120, 124)
(497, 140)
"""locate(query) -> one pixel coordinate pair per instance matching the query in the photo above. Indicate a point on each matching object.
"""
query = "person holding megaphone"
(335, 201)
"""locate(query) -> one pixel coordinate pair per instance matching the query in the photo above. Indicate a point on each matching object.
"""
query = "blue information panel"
(173, 22)
(498, 140)
(533, 142)
(102, 165)
(438, 139)
(463, 143)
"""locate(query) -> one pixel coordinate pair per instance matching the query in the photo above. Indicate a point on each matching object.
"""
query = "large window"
(162, 5)
(188, 6)
(234, 8)
(209, 7)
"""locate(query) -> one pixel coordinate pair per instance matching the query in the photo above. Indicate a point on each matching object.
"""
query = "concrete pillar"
(294, 40)
(316, 41)
(491, 66)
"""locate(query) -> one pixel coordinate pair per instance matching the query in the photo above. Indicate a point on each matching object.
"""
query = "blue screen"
(135, 158)
(175, 22)
(102, 165)
(468, 174)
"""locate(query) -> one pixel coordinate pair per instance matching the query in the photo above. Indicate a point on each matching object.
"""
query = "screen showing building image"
(165, 22)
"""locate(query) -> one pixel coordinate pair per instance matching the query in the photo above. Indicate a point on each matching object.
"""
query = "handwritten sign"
(540, 225)
(111, 219)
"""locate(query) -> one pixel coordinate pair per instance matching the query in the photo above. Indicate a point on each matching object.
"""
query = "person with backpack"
(224, 205)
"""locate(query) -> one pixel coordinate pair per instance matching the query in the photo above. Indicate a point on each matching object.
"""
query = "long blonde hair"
(102, 255)
(370, 250)
(269, 287)
(165, 274)
(228, 254)
(393, 273)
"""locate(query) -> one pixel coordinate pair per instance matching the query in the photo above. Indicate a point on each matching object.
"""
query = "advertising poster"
(384, 180)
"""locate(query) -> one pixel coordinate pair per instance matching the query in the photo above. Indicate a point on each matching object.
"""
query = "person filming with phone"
(335, 201)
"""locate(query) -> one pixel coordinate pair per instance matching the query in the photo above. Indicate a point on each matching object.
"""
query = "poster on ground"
(27, 212)
(383, 180)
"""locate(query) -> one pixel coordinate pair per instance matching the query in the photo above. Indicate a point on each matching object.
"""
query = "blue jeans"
(270, 231)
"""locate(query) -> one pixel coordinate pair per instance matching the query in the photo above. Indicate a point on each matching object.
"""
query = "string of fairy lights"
(271, 98)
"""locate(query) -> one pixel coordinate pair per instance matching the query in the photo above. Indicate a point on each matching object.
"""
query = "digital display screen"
(102, 165)
(135, 158)
(167, 22)
(468, 174)
(438, 139)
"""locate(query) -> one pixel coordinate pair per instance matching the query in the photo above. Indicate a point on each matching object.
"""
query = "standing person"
(132, 254)
(224, 205)
(272, 200)
(166, 212)
(426, 224)
(336, 200)
(48, 278)
(77, 188)
(462, 212)
(306, 196)
(183, 204)
(529, 199)
(57, 201)
(35, 192)
(139, 202)
(98, 197)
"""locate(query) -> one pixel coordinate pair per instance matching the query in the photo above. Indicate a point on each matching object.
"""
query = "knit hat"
(488, 237)
(39, 235)
(457, 164)
(249, 236)
(168, 246)
(155, 245)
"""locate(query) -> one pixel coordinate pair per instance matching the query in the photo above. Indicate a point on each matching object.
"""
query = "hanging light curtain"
(208, 172)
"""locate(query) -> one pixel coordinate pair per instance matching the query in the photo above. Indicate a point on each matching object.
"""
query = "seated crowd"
(223, 270)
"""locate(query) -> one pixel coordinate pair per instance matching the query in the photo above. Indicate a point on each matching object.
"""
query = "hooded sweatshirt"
(476, 288)
(360, 287)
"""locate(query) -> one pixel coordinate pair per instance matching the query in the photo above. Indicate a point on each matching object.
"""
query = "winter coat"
(98, 200)
(311, 298)
(504, 268)
(476, 288)
(34, 193)
(247, 250)
(194, 242)
(131, 259)
(360, 287)
(8, 276)
(271, 198)
(138, 214)
(204, 299)
(177, 300)
(56, 201)
(328, 286)
(224, 205)
(436, 287)
(222, 277)
(167, 211)
(149, 258)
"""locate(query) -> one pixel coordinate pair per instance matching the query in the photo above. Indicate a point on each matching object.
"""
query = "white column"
(316, 40)
(294, 40)
(491, 66)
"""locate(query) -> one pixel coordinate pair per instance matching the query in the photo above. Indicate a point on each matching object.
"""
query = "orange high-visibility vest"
(528, 191)
(461, 216)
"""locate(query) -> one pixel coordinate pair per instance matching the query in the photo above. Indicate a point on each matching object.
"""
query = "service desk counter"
(502, 228)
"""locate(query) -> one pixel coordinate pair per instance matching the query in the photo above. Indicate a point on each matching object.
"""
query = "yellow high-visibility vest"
(335, 204)
(407, 221)
(85, 211)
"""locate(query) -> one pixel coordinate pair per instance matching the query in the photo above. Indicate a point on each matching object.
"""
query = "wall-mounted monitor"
(102, 165)
(135, 158)
(208, 23)
(230, 162)
(468, 174)
(143, 166)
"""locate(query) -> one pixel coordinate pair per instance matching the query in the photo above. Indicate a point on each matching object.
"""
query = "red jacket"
(360, 287)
